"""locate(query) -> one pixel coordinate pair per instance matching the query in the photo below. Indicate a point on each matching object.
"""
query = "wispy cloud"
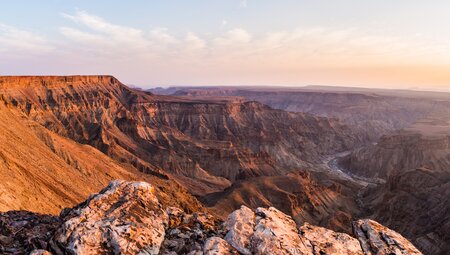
(98, 45)
(14, 40)
(96, 32)
(298, 47)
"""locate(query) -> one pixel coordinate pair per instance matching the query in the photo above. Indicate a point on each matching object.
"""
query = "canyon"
(212, 155)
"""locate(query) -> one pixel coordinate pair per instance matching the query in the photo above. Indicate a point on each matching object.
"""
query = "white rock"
(240, 227)
(378, 239)
(326, 241)
(276, 233)
(124, 218)
(217, 246)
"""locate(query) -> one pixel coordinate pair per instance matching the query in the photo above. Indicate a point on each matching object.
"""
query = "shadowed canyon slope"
(415, 162)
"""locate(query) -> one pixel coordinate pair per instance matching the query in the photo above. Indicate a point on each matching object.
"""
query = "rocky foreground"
(127, 218)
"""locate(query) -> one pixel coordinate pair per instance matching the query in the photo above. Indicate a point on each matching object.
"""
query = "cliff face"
(415, 163)
(416, 203)
(376, 112)
(127, 218)
(44, 171)
(205, 143)
(399, 152)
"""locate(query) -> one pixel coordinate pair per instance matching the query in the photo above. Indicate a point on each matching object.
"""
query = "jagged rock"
(377, 239)
(124, 218)
(22, 232)
(269, 231)
(218, 246)
(187, 233)
(240, 226)
(276, 233)
(176, 216)
(325, 241)
(40, 252)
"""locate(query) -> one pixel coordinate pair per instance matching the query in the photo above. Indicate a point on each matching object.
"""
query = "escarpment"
(43, 171)
(127, 218)
(206, 144)
(399, 152)
(375, 111)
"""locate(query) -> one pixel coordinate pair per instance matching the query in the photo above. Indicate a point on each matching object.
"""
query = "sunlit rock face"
(206, 143)
(124, 218)
(127, 218)
(377, 239)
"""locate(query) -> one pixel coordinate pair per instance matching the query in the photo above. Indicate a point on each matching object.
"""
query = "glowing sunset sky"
(393, 44)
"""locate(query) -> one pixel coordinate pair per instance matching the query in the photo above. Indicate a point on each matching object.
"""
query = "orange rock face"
(206, 144)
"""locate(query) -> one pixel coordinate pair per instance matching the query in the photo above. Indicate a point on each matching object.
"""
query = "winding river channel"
(331, 164)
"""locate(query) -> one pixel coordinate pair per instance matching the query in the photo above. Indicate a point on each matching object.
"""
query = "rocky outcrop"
(240, 227)
(377, 239)
(269, 231)
(126, 218)
(277, 233)
(325, 241)
(189, 233)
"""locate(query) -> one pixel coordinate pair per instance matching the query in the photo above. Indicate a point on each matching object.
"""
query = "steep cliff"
(44, 172)
(398, 152)
(376, 111)
(205, 143)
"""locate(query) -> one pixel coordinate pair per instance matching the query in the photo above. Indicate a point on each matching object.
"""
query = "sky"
(363, 43)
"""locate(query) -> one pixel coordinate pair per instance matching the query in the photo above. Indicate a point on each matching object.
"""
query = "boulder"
(124, 218)
(240, 226)
(325, 241)
(378, 239)
(276, 233)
